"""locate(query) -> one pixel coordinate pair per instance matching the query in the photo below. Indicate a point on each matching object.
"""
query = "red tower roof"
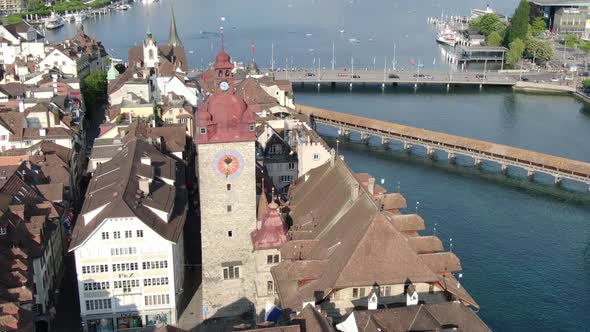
(224, 116)
(272, 233)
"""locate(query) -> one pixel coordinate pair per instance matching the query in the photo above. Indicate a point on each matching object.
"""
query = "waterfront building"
(277, 157)
(13, 6)
(563, 16)
(128, 240)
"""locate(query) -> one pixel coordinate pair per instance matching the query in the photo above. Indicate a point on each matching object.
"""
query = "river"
(524, 247)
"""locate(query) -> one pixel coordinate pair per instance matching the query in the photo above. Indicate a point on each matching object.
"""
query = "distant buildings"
(13, 6)
(564, 16)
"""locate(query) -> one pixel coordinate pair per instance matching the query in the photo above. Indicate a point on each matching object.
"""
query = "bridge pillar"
(452, 157)
(480, 86)
(385, 140)
(365, 138)
(415, 87)
(557, 181)
(448, 87)
(383, 86)
(530, 174)
(407, 147)
(350, 86)
(477, 163)
(333, 84)
(344, 133)
(504, 169)
(430, 151)
(302, 84)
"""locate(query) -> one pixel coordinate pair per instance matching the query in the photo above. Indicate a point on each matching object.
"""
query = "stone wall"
(220, 248)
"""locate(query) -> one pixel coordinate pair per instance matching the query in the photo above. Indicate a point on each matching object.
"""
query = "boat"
(475, 13)
(54, 21)
(354, 40)
(447, 37)
(79, 17)
(123, 7)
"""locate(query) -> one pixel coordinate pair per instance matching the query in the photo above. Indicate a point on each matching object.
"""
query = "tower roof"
(174, 40)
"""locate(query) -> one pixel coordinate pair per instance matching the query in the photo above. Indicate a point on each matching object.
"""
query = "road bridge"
(320, 76)
(531, 161)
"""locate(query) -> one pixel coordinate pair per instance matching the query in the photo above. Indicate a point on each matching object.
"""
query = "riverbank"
(60, 8)
(545, 87)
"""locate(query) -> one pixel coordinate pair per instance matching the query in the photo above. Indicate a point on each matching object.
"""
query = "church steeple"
(174, 40)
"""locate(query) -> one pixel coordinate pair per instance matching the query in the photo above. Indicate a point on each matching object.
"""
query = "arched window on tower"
(151, 54)
(227, 73)
(220, 73)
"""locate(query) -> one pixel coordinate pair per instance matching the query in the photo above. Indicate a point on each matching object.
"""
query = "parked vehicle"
(393, 76)
(356, 76)
(480, 76)
(309, 74)
(342, 75)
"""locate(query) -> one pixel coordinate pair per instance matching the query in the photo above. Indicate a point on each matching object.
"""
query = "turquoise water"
(524, 247)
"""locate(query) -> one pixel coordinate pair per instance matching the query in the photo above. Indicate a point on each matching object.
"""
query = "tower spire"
(174, 40)
(221, 33)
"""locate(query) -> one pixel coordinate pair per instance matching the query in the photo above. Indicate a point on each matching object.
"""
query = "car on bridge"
(480, 76)
(356, 76)
(393, 76)
(309, 74)
(428, 77)
(342, 75)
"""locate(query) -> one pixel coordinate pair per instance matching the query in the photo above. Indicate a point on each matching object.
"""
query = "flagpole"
(272, 57)
(333, 56)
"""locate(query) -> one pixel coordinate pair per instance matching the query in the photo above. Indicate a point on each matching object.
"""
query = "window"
(127, 234)
(272, 259)
(92, 286)
(98, 304)
(203, 130)
(229, 208)
(228, 187)
(385, 291)
(168, 121)
(231, 272)
(139, 233)
(122, 267)
(227, 72)
(358, 292)
(88, 269)
(291, 166)
(220, 73)
(155, 281)
(154, 265)
(316, 156)
(285, 178)
(116, 235)
(126, 285)
(159, 299)
(2, 230)
(336, 295)
(270, 288)
(230, 234)
(105, 235)
(123, 251)
(251, 127)
(183, 120)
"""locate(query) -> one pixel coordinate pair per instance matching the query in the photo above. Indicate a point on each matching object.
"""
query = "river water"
(524, 247)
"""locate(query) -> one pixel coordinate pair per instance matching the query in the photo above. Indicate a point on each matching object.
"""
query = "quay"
(531, 161)
(428, 77)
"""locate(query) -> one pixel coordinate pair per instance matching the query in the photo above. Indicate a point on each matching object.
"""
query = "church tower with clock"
(225, 140)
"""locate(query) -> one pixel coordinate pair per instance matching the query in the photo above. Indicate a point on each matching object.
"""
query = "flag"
(412, 62)
(253, 50)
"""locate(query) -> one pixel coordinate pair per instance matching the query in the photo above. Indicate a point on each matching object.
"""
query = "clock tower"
(225, 140)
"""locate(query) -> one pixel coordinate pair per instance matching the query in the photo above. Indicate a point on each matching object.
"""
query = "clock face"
(228, 164)
(224, 86)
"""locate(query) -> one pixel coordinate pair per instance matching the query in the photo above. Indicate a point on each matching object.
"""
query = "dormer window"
(2, 230)
(203, 130)
(251, 127)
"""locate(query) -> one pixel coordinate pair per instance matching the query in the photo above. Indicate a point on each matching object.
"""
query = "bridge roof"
(560, 3)
(441, 139)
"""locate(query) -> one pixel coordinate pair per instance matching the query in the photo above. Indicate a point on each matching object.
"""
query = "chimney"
(21, 106)
(42, 132)
(144, 186)
(373, 301)
(129, 96)
(411, 296)
(371, 185)
(146, 160)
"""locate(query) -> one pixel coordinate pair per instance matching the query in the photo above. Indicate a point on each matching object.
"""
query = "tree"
(538, 26)
(94, 91)
(538, 49)
(494, 39)
(586, 83)
(487, 24)
(519, 25)
(585, 46)
(571, 40)
(515, 52)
